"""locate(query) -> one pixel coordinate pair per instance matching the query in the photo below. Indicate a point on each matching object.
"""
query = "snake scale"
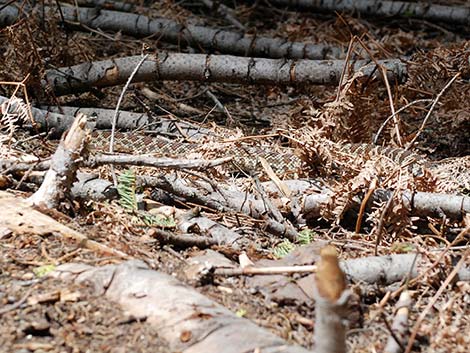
(452, 174)
(245, 157)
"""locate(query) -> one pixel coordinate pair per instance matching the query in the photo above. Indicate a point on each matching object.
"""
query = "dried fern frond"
(344, 161)
(346, 191)
(447, 132)
(453, 175)
(13, 112)
(352, 168)
(313, 148)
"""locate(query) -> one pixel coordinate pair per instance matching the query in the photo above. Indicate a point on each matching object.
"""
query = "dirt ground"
(46, 315)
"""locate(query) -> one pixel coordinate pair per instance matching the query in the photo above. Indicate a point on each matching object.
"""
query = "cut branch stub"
(331, 297)
(63, 167)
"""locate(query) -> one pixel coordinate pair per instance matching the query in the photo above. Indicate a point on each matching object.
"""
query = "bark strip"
(63, 166)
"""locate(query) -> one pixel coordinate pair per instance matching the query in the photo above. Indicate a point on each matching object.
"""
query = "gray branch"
(208, 68)
(60, 119)
(102, 119)
(400, 325)
(185, 35)
(422, 10)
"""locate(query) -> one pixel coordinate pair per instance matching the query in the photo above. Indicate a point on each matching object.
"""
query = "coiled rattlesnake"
(453, 175)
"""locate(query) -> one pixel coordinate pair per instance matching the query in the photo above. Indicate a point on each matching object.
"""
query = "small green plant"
(164, 221)
(241, 312)
(128, 200)
(126, 190)
(402, 247)
(158, 220)
(282, 249)
(408, 13)
(306, 236)
(41, 271)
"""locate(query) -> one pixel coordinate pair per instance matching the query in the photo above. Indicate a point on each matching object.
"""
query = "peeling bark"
(63, 166)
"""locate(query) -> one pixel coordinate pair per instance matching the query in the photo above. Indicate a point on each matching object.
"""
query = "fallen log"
(187, 320)
(209, 68)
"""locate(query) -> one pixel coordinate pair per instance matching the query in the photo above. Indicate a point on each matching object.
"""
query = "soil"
(41, 314)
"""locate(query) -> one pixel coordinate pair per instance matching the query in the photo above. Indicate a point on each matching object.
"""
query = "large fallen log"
(58, 120)
(189, 321)
(198, 37)
(425, 10)
(209, 68)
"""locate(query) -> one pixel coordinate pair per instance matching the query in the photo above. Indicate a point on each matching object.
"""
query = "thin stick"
(383, 70)
(379, 131)
(431, 303)
(116, 112)
(392, 107)
(380, 225)
(372, 187)
(421, 128)
(225, 11)
(18, 303)
(346, 65)
(411, 282)
(276, 270)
